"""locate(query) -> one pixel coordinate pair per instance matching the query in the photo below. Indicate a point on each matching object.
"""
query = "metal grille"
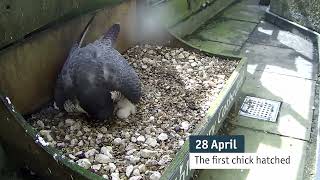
(259, 108)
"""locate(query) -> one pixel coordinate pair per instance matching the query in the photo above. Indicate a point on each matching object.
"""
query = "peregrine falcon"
(91, 75)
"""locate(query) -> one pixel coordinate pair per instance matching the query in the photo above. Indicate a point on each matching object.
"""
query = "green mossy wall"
(304, 12)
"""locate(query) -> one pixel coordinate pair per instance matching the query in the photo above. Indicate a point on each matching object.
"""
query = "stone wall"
(304, 12)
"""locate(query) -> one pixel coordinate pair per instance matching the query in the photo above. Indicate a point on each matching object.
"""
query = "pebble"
(72, 156)
(130, 152)
(194, 64)
(105, 150)
(142, 168)
(85, 163)
(40, 124)
(144, 66)
(80, 143)
(136, 172)
(86, 129)
(115, 176)
(61, 145)
(191, 57)
(155, 176)
(101, 158)
(185, 125)
(141, 139)
(46, 135)
(129, 170)
(99, 136)
(163, 137)
(69, 122)
(105, 176)
(75, 126)
(112, 167)
(96, 167)
(74, 142)
(146, 153)
(117, 141)
(181, 56)
(151, 142)
(127, 135)
(90, 153)
(181, 142)
(104, 130)
(133, 159)
(164, 160)
(79, 133)
(135, 178)
(133, 139)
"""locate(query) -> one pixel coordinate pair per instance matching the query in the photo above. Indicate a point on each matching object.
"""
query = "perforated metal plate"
(258, 108)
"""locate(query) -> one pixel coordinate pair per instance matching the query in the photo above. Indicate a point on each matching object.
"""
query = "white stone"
(85, 163)
(133, 139)
(151, 142)
(146, 153)
(129, 170)
(101, 158)
(104, 129)
(106, 151)
(79, 133)
(117, 141)
(105, 176)
(69, 122)
(136, 172)
(112, 167)
(133, 159)
(130, 152)
(90, 153)
(72, 156)
(141, 139)
(75, 126)
(74, 142)
(194, 64)
(96, 167)
(185, 125)
(181, 142)
(135, 178)
(99, 136)
(46, 134)
(164, 160)
(142, 168)
(163, 137)
(61, 145)
(86, 129)
(115, 176)
(181, 56)
(127, 135)
(67, 137)
(191, 57)
(80, 143)
(155, 176)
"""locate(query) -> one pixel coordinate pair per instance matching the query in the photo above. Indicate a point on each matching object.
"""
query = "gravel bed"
(178, 87)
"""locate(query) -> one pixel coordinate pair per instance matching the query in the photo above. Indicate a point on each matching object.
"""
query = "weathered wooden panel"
(28, 70)
(20, 17)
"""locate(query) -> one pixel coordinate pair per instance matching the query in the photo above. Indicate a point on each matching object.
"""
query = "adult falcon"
(92, 74)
